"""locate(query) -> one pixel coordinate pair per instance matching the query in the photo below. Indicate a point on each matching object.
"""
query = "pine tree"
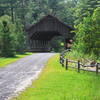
(85, 8)
(7, 49)
(92, 5)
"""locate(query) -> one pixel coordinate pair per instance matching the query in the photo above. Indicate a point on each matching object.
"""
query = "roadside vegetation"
(5, 61)
(83, 15)
(87, 40)
(55, 83)
(12, 38)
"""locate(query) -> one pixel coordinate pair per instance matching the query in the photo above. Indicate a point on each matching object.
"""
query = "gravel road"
(17, 76)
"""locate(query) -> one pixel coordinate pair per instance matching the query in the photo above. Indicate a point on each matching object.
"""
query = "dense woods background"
(18, 15)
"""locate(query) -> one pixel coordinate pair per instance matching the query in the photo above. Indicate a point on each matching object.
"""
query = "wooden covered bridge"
(41, 33)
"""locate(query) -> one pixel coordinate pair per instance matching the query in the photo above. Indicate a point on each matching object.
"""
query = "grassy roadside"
(55, 83)
(74, 55)
(85, 59)
(6, 61)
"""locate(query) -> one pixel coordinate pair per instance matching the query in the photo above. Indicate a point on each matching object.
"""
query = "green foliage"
(85, 8)
(57, 44)
(96, 31)
(81, 12)
(60, 8)
(87, 28)
(6, 38)
(20, 38)
(66, 14)
(87, 35)
(12, 37)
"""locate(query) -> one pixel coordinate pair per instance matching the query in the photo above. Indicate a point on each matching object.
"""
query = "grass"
(55, 83)
(85, 59)
(74, 55)
(6, 61)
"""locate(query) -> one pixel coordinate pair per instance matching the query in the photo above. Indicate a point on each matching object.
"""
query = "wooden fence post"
(66, 64)
(97, 68)
(60, 59)
(63, 62)
(78, 66)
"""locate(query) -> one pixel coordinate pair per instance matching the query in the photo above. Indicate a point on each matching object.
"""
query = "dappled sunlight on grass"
(55, 83)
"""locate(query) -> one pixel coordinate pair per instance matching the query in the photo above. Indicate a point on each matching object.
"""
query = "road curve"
(17, 76)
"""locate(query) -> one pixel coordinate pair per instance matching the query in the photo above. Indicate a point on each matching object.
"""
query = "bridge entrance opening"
(49, 34)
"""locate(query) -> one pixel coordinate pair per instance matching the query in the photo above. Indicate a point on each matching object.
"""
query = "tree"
(20, 38)
(59, 8)
(84, 8)
(96, 31)
(66, 14)
(87, 35)
(7, 39)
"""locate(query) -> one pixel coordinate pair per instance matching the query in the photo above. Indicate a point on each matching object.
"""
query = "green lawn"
(6, 61)
(55, 83)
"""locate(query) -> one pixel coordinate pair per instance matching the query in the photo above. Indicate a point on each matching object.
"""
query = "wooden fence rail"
(64, 62)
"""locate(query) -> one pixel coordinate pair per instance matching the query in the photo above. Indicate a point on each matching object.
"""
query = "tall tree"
(20, 38)
(87, 35)
(7, 40)
(84, 8)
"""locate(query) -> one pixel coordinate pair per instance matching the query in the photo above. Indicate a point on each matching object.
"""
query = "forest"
(16, 16)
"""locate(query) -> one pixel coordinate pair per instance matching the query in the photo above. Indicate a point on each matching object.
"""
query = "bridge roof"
(50, 25)
(50, 16)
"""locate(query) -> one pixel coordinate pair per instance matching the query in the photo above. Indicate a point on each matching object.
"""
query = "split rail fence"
(65, 63)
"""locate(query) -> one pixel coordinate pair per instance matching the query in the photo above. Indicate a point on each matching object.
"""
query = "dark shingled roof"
(71, 28)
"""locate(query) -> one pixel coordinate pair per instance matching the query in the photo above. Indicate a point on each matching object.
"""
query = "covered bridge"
(41, 33)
